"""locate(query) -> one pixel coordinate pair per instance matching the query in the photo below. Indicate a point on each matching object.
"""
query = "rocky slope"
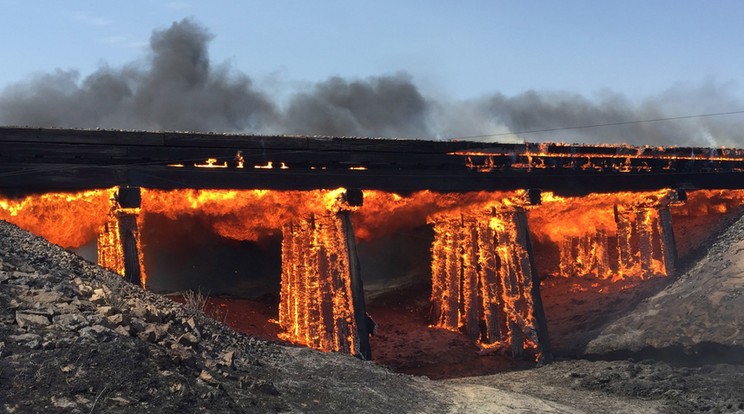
(76, 338)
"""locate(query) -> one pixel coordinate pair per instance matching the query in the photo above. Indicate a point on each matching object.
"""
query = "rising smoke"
(179, 88)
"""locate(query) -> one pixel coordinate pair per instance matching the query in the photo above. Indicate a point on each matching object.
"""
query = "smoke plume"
(383, 106)
(177, 87)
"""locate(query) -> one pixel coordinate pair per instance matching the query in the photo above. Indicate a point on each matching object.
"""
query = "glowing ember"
(212, 163)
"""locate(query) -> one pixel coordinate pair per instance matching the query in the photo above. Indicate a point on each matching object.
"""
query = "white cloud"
(178, 5)
(123, 41)
(90, 19)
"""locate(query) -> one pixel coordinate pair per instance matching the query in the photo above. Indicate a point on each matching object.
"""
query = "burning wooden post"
(315, 304)
(322, 297)
(357, 288)
(645, 238)
(626, 260)
(118, 243)
(484, 281)
(586, 255)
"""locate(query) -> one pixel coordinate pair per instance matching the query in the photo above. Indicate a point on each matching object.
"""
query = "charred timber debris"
(40, 160)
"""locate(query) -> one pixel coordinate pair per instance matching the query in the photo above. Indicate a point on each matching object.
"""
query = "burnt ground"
(75, 338)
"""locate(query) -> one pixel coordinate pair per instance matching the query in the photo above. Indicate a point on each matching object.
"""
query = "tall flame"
(67, 219)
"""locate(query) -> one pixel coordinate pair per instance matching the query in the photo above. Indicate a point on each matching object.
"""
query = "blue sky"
(457, 50)
(463, 49)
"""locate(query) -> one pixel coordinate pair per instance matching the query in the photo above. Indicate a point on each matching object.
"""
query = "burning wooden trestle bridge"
(484, 278)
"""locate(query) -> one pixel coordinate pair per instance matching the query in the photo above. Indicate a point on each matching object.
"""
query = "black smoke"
(385, 106)
(177, 87)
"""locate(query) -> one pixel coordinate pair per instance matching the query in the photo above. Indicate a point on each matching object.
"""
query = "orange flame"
(69, 220)
(479, 266)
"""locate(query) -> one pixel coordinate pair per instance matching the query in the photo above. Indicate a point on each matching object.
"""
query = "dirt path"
(477, 399)
(536, 391)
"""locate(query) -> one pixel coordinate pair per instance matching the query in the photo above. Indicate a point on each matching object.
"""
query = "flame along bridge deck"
(39, 160)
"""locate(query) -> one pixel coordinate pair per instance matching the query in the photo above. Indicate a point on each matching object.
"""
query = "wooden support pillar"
(438, 276)
(494, 329)
(512, 298)
(118, 243)
(322, 294)
(541, 322)
(645, 238)
(668, 243)
(644, 230)
(454, 277)
(484, 282)
(567, 257)
(602, 254)
(471, 307)
(128, 234)
(625, 257)
(129, 200)
(357, 287)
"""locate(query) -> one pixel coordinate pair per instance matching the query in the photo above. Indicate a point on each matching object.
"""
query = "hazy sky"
(637, 51)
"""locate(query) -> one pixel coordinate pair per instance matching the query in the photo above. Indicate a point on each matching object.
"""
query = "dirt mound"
(76, 338)
(702, 309)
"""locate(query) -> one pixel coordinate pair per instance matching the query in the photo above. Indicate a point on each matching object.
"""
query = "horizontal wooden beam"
(40, 160)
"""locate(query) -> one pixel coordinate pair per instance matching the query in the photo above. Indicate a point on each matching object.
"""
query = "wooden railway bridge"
(44, 160)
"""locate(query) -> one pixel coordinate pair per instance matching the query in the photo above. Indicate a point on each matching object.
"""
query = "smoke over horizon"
(178, 88)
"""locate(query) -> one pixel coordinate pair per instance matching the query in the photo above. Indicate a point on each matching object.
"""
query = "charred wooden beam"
(357, 287)
(129, 241)
(668, 243)
(541, 323)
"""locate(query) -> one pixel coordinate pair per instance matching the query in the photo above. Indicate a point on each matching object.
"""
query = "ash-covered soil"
(76, 338)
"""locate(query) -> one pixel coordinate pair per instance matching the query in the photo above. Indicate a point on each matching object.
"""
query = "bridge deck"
(39, 160)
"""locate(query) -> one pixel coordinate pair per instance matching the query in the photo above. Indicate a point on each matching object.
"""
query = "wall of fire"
(485, 249)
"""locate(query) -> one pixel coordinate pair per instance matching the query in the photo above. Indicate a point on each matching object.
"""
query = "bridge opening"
(447, 277)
